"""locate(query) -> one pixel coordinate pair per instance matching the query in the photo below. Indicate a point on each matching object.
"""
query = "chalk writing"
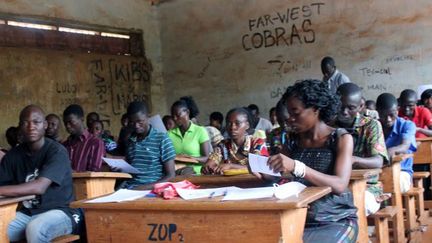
(277, 92)
(399, 58)
(163, 232)
(375, 71)
(68, 93)
(102, 89)
(286, 66)
(378, 87)
(298, 31)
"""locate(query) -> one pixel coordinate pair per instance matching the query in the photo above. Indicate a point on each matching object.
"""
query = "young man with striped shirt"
(148, 150)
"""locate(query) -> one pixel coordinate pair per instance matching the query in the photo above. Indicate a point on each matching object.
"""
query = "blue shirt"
(148, 156)
(403, 130)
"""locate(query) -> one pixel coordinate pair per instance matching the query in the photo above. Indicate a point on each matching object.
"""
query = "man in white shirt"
(261, 123)
(332, 76)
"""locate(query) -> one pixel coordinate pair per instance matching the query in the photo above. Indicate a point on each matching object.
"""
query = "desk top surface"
(428, 139)
(91, 174)
(10, 200)
(309, 195)
(364, 173)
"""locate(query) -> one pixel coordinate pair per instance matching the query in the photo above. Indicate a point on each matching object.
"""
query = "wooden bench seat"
(381, 219)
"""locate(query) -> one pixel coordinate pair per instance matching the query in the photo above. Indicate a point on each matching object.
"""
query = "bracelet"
(299, 169)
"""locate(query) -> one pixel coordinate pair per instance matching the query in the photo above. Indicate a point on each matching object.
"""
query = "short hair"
(52, 115)
(370, 102)
(315, 94)
(245, 111)
(328, 61)
(217, 116)
(137, 106)
(386, 101)
(347, 89)
(124, 116)
(253, 107)
(94, 114)
(427, 94)
(30, 107)
(166, 118)
(74, 109)
(189, 103)
(273, 109)
(407, 94)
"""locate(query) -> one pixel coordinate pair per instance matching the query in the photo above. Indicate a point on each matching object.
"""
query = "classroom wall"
(233, 53)
(55, 79)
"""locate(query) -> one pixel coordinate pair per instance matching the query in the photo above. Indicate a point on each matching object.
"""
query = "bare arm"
(36, 187)
(343, 165)
(400, 149)
(373, 162)
(427, 132)
(206, 149)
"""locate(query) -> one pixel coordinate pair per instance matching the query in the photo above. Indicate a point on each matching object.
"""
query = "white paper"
(120, 196)
(258, 164)
(122, 165)
(422, 88)
(249, 193)
(157, 123)
(188, 194)
(288, 189)
(281, 192)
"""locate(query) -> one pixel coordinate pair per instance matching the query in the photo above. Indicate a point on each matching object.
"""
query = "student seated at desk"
(39, 166)
(369, 144)
(233, 153)
(97, 129)
(399, 136)
(149, 150)
(53, 129)
(421, 116)
(319, 155)
(85, 150)
(189, 139)
(279, 136)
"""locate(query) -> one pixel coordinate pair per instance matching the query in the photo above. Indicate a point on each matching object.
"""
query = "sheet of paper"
(288, 189)
(157, 123)
(120, 196)
(250, 193)
(258, 164)
(122, 165)
(188, 194)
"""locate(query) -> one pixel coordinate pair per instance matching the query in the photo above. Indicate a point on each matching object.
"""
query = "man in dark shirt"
(53, 128)
(39, 166)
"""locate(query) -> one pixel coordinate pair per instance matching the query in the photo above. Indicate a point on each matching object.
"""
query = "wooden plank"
(90, 174)
(390, 179)
(423, 155)
(364, 173)
(382, 230)
(309, 195)
(210, 181)
(8, 206)
(358, 188)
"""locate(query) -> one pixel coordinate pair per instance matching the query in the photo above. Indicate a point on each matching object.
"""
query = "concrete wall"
(232, 53)
(55, 79)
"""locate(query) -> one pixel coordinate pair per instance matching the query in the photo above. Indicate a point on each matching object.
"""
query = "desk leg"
(7, 214)
(358, 188)
(293, 232)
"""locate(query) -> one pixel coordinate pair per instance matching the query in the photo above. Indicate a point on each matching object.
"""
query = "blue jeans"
(39, 228)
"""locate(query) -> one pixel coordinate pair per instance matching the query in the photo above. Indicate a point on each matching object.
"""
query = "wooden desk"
(423, 155)
(201, 220)
(94, 184)
(210, 181)
(8, 206)
(357, 186)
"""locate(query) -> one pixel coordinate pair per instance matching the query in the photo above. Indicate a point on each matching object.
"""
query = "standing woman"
(319, 155)
(233, 153)
(189, 139)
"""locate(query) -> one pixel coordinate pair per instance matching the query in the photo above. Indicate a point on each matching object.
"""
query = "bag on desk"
(168, 190)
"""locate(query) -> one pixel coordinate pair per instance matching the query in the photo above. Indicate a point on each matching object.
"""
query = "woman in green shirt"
(189, 139)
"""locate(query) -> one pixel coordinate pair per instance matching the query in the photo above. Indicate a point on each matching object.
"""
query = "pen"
(212, 194)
